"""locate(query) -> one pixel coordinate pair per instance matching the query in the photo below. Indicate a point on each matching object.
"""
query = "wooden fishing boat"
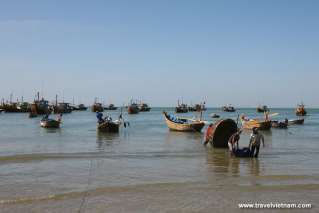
(300, 110)
(10, 107)
(228, 108)
(133, 108)
(109, 126)
(197, 108)
(262, 109)
(110, 107)
(80, 107)
(296, 121)
(255, 123)
(182, 124)
(144, 107)
(279, 124)
(62, 108)
(181, 108)
(46, 122)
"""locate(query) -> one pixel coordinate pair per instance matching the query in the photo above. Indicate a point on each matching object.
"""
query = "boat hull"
(261, 125)
(50, 123)
(297, 121)
(108, 127)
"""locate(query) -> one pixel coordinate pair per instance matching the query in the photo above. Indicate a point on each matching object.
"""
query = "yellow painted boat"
(255, 123)
(183, 124)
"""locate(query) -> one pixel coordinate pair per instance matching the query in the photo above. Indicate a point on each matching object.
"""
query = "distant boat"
(197, 108)
(300, 110)
(181, 108)
(228, 108)
(182, 124)
(144, 107)
(62, 108)
(46, 122)
(80, 107)
(262, 109)
(255, 123)
(110, 107)
(133, 108)
(97, 107)
(40, 106)
(214, 115)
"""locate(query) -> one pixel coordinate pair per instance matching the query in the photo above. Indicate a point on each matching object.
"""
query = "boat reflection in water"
(104, 139)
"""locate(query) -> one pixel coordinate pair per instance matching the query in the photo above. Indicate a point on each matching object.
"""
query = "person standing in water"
(254, 143)
(233, 141)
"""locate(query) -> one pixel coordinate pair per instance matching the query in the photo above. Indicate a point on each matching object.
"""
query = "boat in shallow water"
(109, 126)
(296, 121)
(47, 122)
(279, 124)
(183, 124)
(255, 123)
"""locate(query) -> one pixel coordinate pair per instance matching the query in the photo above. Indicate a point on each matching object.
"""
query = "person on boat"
(60, 117)
(99, 116)
(233, 141)
(209, 133)
(254, 144)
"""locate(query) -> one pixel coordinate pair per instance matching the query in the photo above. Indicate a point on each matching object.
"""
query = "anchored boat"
(183, 124)
(255, 123)
(300, 110)
(46, 122)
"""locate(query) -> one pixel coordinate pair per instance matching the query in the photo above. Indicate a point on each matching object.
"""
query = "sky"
(243, 53)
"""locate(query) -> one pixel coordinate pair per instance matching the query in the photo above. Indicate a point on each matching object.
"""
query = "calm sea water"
(40, 163)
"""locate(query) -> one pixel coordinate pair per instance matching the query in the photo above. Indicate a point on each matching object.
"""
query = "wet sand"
(168, 197)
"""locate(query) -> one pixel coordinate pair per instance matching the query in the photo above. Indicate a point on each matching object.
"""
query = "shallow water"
(38, 163)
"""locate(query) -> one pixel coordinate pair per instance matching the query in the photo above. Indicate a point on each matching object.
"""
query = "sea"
(148, 168)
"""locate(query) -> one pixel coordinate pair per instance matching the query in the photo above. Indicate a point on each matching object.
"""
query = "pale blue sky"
(239, 52)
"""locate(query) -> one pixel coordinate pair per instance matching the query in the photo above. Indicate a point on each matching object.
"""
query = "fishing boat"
(300, 110)
(183, 124)
(10, 107)
(109, 126)
(46, 122)
(279, 124)
(1, 110)
(197, 108)
(228, 108)
(97, 107)
(261, 124)
(214, 115)
(62, 108)
(80, 107)
(144, 107)
(296, 121)
(110, 107)
(40, 106)
(262, 109)
(133, 108)
(181, 108)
